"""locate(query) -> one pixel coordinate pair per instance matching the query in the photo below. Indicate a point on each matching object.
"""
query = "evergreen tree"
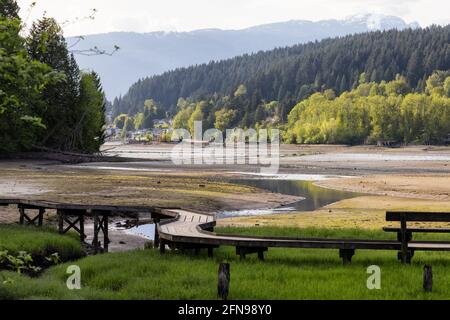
(91, 124)
(9, 9)
(46, 44)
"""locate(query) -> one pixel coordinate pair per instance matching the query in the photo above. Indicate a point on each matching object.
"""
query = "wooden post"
(404, 251)
(156, 241)
(105, 232)
(22, 215)
(41, 217)
(96, 229)
(261, 255)
(242, 254)
(346, 255)
(82, 234)
(162, 246)
(223, 285)
(60, 221)
(428, 279)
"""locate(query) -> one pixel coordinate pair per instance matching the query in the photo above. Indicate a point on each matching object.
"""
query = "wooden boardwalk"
(185, 230)
(72, 216)
(190, 230)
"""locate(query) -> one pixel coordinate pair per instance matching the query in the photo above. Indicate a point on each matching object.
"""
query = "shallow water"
(146, 231)
(314, 197)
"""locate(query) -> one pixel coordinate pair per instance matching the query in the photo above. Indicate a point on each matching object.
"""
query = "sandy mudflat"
(366, 212)
(412, 178)
(431, 186)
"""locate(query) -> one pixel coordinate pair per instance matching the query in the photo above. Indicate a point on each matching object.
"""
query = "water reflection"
(315, 197)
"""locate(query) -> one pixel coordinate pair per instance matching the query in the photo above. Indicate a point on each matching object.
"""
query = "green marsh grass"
(39, 242)
(286, 274)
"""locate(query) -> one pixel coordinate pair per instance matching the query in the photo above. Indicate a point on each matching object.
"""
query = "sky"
(187, 15)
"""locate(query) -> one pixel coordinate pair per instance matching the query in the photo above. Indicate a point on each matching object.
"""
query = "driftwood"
(223, 286)
(428, 279)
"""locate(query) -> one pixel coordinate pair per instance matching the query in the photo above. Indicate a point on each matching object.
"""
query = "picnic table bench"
(405, 234)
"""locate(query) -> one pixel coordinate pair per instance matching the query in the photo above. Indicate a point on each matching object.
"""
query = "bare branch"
(95, 51)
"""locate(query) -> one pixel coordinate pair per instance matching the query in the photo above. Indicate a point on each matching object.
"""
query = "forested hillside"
(147, 54)
(45, 100)
(289, 75)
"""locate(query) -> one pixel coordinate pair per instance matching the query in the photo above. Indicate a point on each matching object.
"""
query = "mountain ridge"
(146, 54)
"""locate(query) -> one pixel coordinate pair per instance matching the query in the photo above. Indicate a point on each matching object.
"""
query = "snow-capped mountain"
(380, 22)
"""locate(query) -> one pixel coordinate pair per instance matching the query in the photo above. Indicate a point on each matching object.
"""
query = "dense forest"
(289, 75)
(45, 100)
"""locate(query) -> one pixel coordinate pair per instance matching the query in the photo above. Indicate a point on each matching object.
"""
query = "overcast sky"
(185, 15)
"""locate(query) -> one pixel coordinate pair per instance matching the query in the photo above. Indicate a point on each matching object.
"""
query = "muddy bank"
(366, 212)
(417, 186)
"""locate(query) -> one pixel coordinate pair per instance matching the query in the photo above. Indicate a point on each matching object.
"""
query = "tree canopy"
(375, 112)
(45, 100)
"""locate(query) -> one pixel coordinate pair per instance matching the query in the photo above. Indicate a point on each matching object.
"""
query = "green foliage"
(9, 9)
(149, 114)
(90, 126)
(241, 91)
(44, 98)
(224, 118)
(138, 121)
(119, 122)
(181, 120)
(23, 262)
(22, 82)
(197, 115)
(374, 112)
(64, 114)
(129, 125)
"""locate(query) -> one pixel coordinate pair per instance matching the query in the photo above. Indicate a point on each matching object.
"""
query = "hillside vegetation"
(292, 74)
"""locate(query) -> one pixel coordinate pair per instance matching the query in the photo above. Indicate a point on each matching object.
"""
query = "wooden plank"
(7, 202)
(392, 216)
(418, 230)
(404, 238)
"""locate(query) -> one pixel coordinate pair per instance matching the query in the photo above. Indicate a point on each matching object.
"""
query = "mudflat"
(410, 178)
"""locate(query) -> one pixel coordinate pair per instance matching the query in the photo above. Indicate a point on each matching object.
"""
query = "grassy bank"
(39, 242)
(286, 274)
